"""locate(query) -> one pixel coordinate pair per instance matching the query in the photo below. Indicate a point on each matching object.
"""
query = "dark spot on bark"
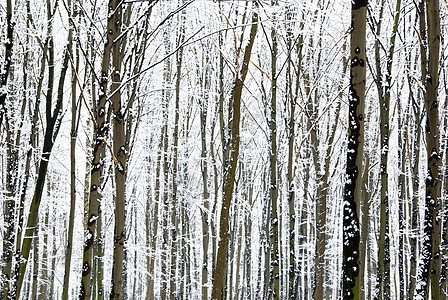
(85, 271)
(434, 104)
(434, 154)
(357, 4)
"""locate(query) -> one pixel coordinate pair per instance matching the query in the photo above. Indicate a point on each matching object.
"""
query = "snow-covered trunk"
(4, 73)
(205, 210)
(53, 123)
(431, 265)
(120, 151)
(101, 128)
(73, 138)
(175, 220)
(274, 277)
(353, 186)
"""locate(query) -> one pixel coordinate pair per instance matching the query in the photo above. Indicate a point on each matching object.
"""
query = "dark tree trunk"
(353, 186)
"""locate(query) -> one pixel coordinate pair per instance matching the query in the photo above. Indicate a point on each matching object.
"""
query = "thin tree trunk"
(51, 132)
(444, 271)
(384, 91)
(248, 246)
(383, 278)
(150, 291)
(174, 214)
(44, 259)
(4, 74)
(9, 208)
(166, 95)
(31, 145)
(239, 242)
(321, 184)
(13, 133)
(363, 245)
(432, 226)
(136, 228)
(73, 138)
(35, 275)
(149, 254)
(292, 96)
(273, 188)
(204, 170)
(402, 197)
(52, 261)
(415, 161)
(230, 167)
(100, 133)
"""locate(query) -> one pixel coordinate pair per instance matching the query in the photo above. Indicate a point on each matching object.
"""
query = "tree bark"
(120, 149)
(101, 129)
(51, 132)
(353, 185)
(230, 167)
(4, 74)
(32, 144)
(273, 188)
(204, 170)
(174, 212)
(431, 254)
(73, 138)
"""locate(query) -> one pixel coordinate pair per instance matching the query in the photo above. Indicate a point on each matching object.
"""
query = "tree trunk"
(413, 207)
(205, 78)
(273, 188)
(101, 129)
(402, 198)
(32, 143)
(444, 271)
(45, 265)
(166, 95)
(230, 167)
(383, 277)
(151, 291)
(174, 213)
(51, 132)
(121, 155)
(35, 275)
(73, 138)
(432, 226)
(4, 74)
(353, 185)
(384, 91)
(292, 96)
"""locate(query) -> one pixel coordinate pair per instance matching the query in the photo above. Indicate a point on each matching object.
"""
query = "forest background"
(223, 149)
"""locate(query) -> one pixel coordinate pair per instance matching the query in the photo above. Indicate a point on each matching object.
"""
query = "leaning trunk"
(230, 168)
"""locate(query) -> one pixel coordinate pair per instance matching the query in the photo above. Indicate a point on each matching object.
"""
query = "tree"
(431, 266)
(231, 163)
(384, 95)
(101, 129)
(74, 135)
(4, 74)
(353, 185)
(53, 122)
(120, 150)
(274, 272)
